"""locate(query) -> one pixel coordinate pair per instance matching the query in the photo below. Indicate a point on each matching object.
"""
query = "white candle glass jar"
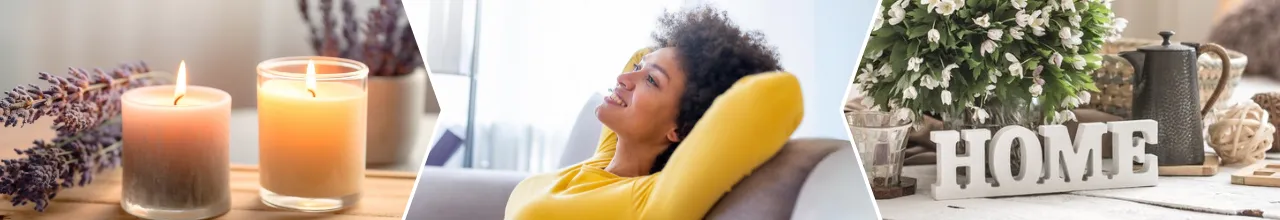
(174, 156)
(311, 132)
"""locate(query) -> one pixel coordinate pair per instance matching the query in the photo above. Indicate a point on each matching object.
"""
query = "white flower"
(928, 82)
(980, 115)
(1016, 33)
(868, 101)
(1119, 24)
(946, 97)
(991, 88)
(913, 64)
(909, 93)
(1036, 90)
(1070, 102)
(993, 77)
(903, 114)
(1035, 19)
(928, 2)
(1068, 5)
(1078, 63)
(1084, 97)
(867, 69)
(995, 34)
(1070, 38)
(934, 36)
(1015, 69)
(945, 7)
(1063, 116)
(1019, 4)
(1038, 31)
(896, 14)
(884, 70)
(983, 21)
(988, 47)
(1075, 20)
(1023, 19)
(1056, 59)
(946, 74)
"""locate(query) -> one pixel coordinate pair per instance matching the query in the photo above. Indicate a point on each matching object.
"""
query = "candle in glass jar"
(175, 142)
(311, 124)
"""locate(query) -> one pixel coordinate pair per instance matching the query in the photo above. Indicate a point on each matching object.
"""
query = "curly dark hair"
(714, 55)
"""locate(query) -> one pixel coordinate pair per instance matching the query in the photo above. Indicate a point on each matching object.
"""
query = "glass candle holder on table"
(175, 163)
(311, 125)
(880, 139)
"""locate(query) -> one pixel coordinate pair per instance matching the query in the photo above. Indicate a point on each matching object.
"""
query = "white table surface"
(1208, 192)
(244, 141)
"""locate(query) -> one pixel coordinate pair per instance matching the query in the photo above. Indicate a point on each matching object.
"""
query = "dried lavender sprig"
(350, 31)
(64, 162)
(383, 41)
(330, 28)
(86, 105)
(73, 99)
(305, 9)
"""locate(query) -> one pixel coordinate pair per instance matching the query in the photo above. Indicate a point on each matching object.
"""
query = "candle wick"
(313, 93)
(175, 100)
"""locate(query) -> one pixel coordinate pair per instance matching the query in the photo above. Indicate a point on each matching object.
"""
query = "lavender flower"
(85, 106)
(383, 41)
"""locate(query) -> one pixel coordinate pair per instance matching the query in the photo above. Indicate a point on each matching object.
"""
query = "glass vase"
(880, 139)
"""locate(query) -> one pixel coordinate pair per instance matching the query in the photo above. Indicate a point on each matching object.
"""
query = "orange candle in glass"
(311, 132)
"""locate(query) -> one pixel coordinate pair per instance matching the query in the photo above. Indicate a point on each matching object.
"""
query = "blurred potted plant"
(397, 86)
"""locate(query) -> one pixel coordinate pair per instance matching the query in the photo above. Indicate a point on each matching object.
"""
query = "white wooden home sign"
(1060, 167)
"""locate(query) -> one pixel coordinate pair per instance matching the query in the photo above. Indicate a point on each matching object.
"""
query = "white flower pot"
(396, 104)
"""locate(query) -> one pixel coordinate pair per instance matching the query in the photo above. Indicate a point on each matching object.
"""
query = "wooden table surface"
(386, 191)
(1214, 192)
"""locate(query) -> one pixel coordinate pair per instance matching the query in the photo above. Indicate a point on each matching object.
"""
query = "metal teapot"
(1166, 89)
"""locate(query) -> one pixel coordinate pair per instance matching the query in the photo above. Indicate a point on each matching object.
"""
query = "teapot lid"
(1166, 46)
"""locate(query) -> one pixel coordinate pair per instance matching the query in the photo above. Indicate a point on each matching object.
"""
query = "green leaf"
(898, 58)
(879, 43)
(918, 31)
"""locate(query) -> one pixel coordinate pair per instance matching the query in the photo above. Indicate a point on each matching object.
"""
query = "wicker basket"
(1114, 78)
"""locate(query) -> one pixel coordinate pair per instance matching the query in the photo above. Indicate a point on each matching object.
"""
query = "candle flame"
(311, 77)
(180, 85)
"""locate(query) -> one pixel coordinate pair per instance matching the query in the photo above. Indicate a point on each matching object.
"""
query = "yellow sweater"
(744, 128)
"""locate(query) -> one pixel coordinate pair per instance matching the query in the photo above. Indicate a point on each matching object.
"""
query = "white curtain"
(538, 63)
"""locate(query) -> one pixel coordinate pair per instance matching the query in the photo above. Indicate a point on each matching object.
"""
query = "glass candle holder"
(176, 162)
(311, 132)
(880, 139)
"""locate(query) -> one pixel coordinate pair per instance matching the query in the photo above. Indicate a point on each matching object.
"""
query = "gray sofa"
(773, 191)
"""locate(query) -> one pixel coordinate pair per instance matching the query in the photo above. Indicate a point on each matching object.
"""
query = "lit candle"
(175, 151)
(311, 132)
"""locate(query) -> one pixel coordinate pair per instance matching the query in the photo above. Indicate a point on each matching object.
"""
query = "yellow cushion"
(744, 127)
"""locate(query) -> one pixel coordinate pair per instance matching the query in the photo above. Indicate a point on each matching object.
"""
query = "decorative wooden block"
(1071, 165)
(1259, 174)
(1209, 168)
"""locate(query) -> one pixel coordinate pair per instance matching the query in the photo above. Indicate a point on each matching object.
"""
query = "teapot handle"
(1222, 78)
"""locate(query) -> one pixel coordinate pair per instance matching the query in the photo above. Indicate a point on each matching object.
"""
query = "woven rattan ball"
(1241, 134)
(1270, 101)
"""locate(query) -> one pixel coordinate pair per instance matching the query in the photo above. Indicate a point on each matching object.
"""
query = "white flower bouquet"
(957, 56)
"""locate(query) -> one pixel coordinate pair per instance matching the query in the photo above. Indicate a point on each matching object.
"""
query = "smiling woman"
(651, 162)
